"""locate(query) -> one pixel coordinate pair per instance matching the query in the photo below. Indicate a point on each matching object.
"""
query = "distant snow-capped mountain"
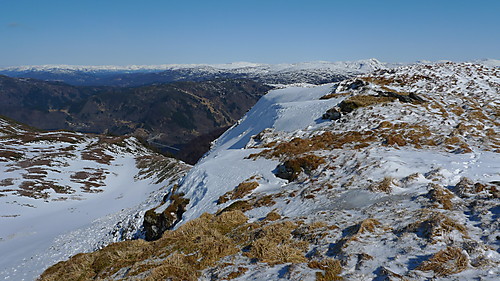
(368, 64)
(134, 75)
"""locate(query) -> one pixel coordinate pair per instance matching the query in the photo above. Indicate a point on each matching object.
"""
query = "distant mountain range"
(307, 72)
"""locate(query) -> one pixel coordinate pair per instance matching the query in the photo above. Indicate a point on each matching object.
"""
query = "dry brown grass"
(179, 255)
(291, 168)
(379, 80)
(56, 136)
(367, 225)
(313, 232)
(242, 190)
(273, 216)
(354, 232)
(7, 182)
(332, 269)
(236, 274)
(159, 168)
(403, 133)
(240, 205)
(434, 224)
(357, 101)
(395, 139)
(6, 155)
(100, 264)
(328, 96)
(385, 185)
(325, 141)
(467, 188)
(446, 262)
(182, 254)
(274, 245)
(98, 155)
(441, 196)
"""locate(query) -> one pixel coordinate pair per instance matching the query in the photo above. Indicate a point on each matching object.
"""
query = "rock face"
(157, 221)
(332, 114)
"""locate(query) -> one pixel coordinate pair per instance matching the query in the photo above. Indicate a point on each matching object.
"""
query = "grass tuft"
(238, 192)
(446, 262)
(441, 196)
(385, 185)
(331, 269)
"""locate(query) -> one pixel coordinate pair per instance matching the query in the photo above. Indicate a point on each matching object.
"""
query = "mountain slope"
(166, 115)
(62, 193)
(387, 176)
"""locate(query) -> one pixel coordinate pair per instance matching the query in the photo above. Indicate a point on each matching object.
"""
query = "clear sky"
(123, 32)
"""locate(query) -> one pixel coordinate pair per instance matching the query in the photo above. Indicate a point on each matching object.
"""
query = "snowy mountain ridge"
(308, 72)
(392, 175)
(236, 66)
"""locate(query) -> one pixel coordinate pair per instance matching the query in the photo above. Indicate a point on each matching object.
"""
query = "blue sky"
(122, 32)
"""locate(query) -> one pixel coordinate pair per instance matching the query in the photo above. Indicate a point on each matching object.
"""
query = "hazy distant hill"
(167, 114)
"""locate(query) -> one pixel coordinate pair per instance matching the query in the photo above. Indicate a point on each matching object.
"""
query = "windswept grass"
(434, 225)
(446, 262)
(441, 196)
(238, 192)
(182, 254)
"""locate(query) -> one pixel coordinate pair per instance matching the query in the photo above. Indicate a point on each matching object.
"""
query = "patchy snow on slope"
(64, 193)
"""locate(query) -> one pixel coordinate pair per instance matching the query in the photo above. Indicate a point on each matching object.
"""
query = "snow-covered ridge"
(399, 180)
(448, 143)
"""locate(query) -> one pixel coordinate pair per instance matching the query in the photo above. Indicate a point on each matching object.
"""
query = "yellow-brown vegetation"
(325, 141)
(238, 192)
(180, 254)
(274, 245)
(378, 80)
(353, 233)
(434, 224)
(385, 185)
(273, 216)
(236, 274)
(331, 269)
(441, 196)
(446, 262)
(358, 101)
(291, 168)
